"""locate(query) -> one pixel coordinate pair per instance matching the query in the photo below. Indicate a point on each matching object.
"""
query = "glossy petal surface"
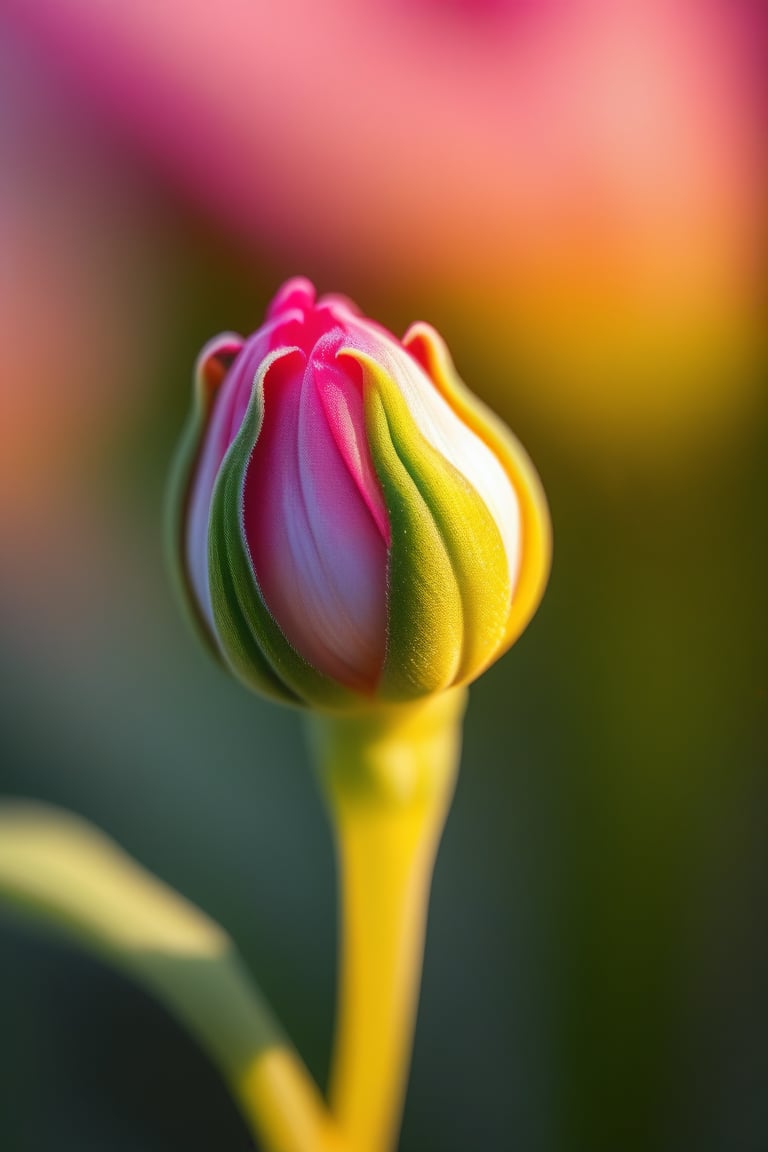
(318, 553)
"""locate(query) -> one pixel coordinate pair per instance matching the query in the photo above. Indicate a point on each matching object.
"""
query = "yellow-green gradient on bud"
(349, 523)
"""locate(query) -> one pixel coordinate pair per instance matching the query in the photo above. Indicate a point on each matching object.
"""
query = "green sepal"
(253, 642)
(535, 559)
(449, 587)
(424, 623)
(180, 483)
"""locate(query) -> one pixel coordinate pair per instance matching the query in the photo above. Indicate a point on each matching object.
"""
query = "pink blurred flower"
(348, 515)
(581, 181)
(76, 259)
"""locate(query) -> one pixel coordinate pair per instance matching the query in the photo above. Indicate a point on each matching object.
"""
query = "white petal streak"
(446, 432)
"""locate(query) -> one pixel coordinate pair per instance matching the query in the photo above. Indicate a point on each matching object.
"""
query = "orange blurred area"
(579, 187)
(77, 322)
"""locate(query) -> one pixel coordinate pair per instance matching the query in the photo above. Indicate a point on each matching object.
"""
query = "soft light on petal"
(429, 349)
(447, 433)
(358, 524)
(318, 554)
(342, 402)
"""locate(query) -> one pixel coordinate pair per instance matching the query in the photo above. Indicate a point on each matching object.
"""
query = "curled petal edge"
(435, 512)
(253, 644)
(210, 371)
(431, 352)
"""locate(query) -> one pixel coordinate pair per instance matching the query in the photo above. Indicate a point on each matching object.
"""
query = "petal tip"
(298, 292)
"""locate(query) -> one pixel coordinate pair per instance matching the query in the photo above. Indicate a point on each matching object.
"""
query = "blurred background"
(573, 192)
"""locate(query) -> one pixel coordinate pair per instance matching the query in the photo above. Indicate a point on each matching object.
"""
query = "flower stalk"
(388, 778)
(284, 1107)
(357, 536)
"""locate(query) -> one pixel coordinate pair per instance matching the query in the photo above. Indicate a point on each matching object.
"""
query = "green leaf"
(62, 873)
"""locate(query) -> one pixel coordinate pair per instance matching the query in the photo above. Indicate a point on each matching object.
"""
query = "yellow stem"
(284, 1107)
(389, 778)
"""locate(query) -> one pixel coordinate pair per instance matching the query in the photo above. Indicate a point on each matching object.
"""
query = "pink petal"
(241, 361)
(296, 294)
(342, 401)
(318, 554)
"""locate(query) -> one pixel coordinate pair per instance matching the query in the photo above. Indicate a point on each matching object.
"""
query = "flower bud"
(351, 523)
